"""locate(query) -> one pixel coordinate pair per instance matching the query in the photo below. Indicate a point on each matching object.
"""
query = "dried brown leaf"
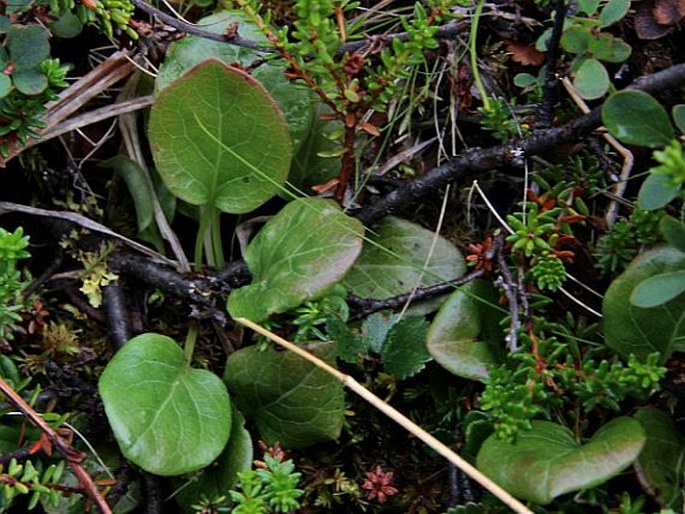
(525, 54)
(668, 12)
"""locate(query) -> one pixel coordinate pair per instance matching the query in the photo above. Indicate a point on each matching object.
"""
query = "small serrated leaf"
(291, 400)
(404, 353)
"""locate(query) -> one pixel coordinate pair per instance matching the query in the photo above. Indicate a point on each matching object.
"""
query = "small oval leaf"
(673, 231)
(592, 80)
(167, 417)
(658, 290)
(636, 118)
(656, 192)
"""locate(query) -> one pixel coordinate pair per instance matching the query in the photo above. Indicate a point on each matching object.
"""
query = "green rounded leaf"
(660, 464)
(658, 290)
(67, 26)
(30, 82)
(222, 475)
(657, 191)
(591, 80)
(524, 80)
(298, 255)
(613, 11)
(218, 138)
(575, 40)
(636, 118)
(631, 329)
(291, 400)
(608, 48)
(546, 461)
(379, 274)
(295, 101)
(28, 45)
(465, 333)
(5, 85)
(678, 113)
(673, 231)
(167, 417)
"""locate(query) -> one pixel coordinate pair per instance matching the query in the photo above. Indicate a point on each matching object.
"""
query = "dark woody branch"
(483, 159)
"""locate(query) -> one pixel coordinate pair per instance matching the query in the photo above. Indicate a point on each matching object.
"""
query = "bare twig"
(196, 30)
(72, 456)
(364, 307)
(510, 288)
(544, 118)
(628, 159)
(397, 417)
(480, 160)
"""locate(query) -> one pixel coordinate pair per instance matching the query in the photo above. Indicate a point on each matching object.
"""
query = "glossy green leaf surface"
(658, 289)
(167, 417)
(464, 335)
(636, 118)
(631, 329)
(404, 353)
(215, 480)
(298, 255)
(218, 138)
(591, 80)
(660, 465)
(546, 462)
(5, 85)
(656, 192)
(378, 274)
(290, 400)
(575, 40)
(294, 100)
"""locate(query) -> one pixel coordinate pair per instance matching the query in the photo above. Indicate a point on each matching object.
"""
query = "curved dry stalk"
(72, 456)
(397, 417)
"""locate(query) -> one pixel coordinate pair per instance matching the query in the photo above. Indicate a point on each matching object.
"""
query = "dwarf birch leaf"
(298, 255)
(218, 138)
(464, 334)
(291, 400)
(546, 461)
(678, 113)
(167, 417)
(637, 118)
(592, 79)
(660, 464)
(404, 352)
(657, 191)
(641, 331)
(380, 275)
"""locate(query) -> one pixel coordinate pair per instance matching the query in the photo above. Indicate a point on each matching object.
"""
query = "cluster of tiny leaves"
(498, 118)
(269, 489)
(549, 376)
(20, 113)
(352, 81)
(12, 248)
(621, 244)
(548, 272)
(671, 163)
(533, 229)
(28, 478)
